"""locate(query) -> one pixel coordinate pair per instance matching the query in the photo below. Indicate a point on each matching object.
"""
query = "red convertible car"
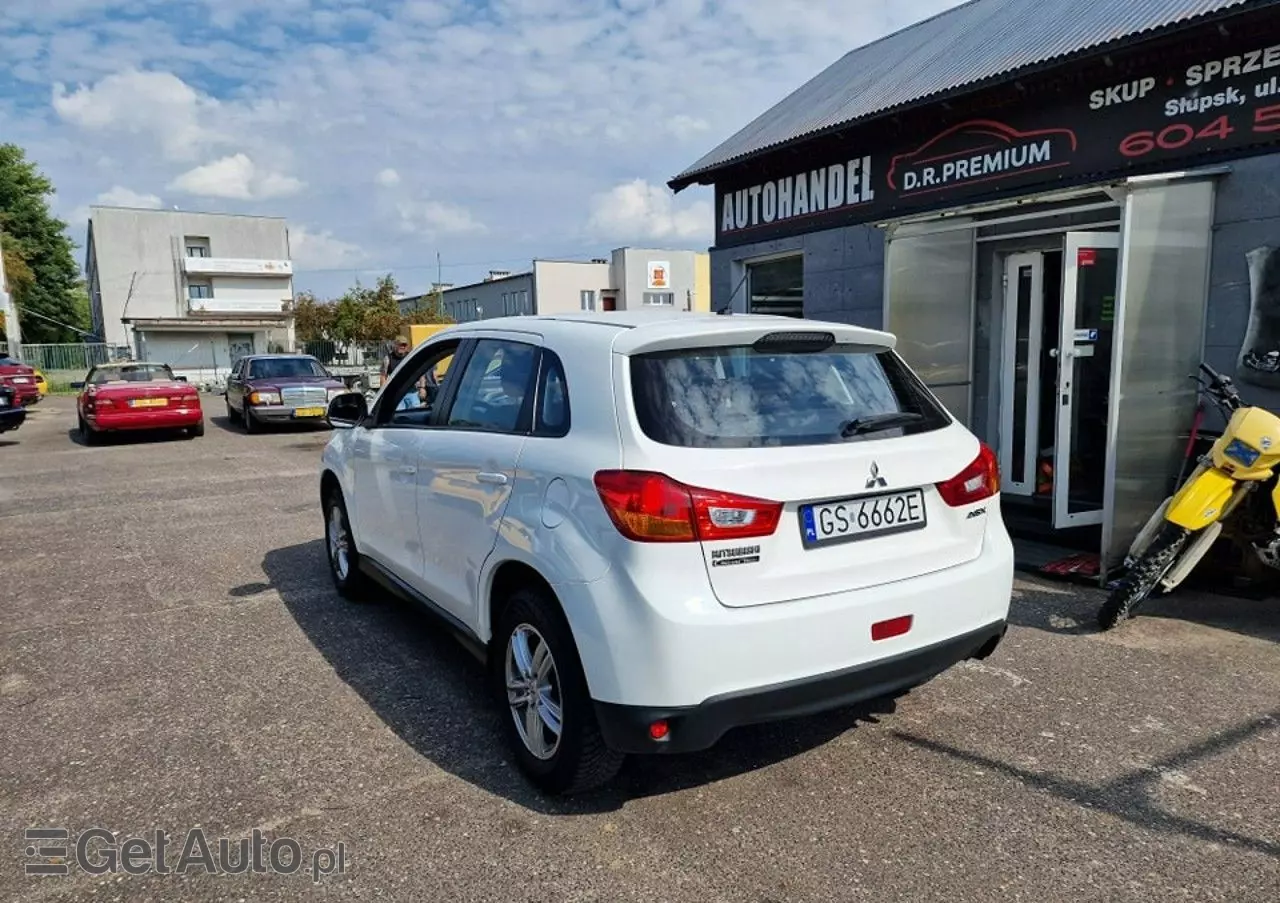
(21, 378)
(134, 396)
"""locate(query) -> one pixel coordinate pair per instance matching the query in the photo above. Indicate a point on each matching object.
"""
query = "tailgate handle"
(496, 479)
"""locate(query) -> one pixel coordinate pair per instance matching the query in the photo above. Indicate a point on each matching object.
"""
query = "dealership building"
(1058, 207)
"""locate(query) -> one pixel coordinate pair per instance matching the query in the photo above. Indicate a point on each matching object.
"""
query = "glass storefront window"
(776, 287)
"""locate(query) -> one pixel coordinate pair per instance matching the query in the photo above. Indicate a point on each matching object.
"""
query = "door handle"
(496, 479)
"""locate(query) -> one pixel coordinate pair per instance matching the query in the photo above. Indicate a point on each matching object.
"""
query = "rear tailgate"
(857, 511)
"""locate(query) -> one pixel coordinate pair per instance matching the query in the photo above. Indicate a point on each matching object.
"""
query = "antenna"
(728, 307)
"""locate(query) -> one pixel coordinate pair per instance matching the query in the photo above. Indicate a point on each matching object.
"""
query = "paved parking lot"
(172, 656)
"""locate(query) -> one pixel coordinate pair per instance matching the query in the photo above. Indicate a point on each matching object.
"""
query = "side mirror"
(347, 411)
(78, 385)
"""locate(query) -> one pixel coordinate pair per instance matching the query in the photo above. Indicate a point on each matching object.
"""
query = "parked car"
(12, 413)
(21, 378)
(658, 527)
(135, 396)
(279, 388)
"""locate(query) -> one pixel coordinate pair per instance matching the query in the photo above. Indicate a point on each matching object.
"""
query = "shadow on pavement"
(1129, 797)
(132, 437)
(1073, 611)
(427, 688)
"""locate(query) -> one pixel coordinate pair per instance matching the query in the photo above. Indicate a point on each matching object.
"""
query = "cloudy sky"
(490, 131)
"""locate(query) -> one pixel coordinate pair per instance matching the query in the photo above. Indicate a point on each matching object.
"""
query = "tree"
(39, 240)
(312, 318)
(382, 319)
(430, 309)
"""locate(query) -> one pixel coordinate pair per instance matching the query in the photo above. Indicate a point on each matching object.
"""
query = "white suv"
(655, 527)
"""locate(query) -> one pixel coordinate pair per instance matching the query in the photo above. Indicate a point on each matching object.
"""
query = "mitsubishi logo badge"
(875, 481)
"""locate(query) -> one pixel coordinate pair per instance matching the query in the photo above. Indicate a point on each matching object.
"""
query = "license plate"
(148, 402)
(851, 519)
(309, 412)
(21, 379)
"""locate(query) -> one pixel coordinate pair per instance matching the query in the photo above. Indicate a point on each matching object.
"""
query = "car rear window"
(743, 397)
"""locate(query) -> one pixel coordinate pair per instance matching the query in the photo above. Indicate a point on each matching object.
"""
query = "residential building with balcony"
(629, 279)
(194, 290)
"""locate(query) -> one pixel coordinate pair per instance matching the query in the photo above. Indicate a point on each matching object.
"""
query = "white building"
(630, 278)
(194, 290)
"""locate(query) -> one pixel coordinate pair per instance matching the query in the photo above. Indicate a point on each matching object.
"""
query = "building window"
(776, 287)
(199, 290)
(525, 306)
(588, 299)
(660, 299)
(196, 246)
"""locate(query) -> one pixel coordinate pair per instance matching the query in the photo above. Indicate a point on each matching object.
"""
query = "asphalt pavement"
(172, 658)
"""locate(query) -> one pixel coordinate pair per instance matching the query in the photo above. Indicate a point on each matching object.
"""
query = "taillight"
(652, 507)
(980, 480)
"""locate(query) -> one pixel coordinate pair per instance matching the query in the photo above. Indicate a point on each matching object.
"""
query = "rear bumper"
(658, 639)
(11, 418)
(694, 728)
(165, 419)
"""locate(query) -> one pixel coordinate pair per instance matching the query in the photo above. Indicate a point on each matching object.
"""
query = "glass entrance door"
(1020, 392)
(1090, 270)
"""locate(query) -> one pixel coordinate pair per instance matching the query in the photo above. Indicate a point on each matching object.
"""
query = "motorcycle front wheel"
(1143, 577)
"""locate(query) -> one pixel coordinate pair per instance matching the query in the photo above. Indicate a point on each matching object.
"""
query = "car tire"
(232, 415)
(88, 434)
(251, 424)
(341, 552)
(196, 431)
(576, 759)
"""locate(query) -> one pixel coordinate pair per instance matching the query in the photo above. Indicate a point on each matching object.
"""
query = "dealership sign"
(1214, 108)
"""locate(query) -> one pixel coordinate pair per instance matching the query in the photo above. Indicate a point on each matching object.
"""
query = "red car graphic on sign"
(980, 150)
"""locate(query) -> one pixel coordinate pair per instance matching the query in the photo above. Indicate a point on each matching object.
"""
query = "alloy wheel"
(339, 542)
(533, 691)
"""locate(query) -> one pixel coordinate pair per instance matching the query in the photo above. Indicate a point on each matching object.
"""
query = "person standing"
(399, 351)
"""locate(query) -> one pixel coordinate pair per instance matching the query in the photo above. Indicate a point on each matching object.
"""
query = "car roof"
(112, 365)
(278, 356)
(633, 331)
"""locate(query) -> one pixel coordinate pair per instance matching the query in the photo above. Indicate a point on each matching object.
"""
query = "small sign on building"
(659, 274)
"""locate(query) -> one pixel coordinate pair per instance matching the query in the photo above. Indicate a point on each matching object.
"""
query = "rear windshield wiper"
(877, 422)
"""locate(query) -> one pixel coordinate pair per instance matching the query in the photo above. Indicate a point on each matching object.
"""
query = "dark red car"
(266, 389)
(133, 396)
(21, 378)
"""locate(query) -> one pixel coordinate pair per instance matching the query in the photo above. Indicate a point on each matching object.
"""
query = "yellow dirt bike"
(1221, 493)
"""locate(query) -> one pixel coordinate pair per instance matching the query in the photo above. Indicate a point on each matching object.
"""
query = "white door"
(467, 470)
(385, 465)
(1091, 264)
(1020, 392)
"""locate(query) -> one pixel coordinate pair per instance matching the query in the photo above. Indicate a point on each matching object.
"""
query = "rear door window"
(744, 397)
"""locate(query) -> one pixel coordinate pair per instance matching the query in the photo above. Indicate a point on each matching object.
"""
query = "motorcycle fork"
(1203, 541)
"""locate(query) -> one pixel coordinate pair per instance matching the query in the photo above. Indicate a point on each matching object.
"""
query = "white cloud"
(640, 211)
(119, 196)
(434, 219)
(504, 123)
(153, 106)
(322, 249)
(237, 178)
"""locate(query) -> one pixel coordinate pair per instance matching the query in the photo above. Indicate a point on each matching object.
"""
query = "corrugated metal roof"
(972, 43)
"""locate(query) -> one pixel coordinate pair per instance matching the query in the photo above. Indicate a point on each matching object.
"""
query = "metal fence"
(359, 354)
(67, 357)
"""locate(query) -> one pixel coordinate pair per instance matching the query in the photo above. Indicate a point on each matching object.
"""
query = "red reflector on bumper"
(885, 630)
(659, 730)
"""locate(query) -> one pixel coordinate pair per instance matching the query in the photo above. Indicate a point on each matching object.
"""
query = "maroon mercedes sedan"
(266, 389)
